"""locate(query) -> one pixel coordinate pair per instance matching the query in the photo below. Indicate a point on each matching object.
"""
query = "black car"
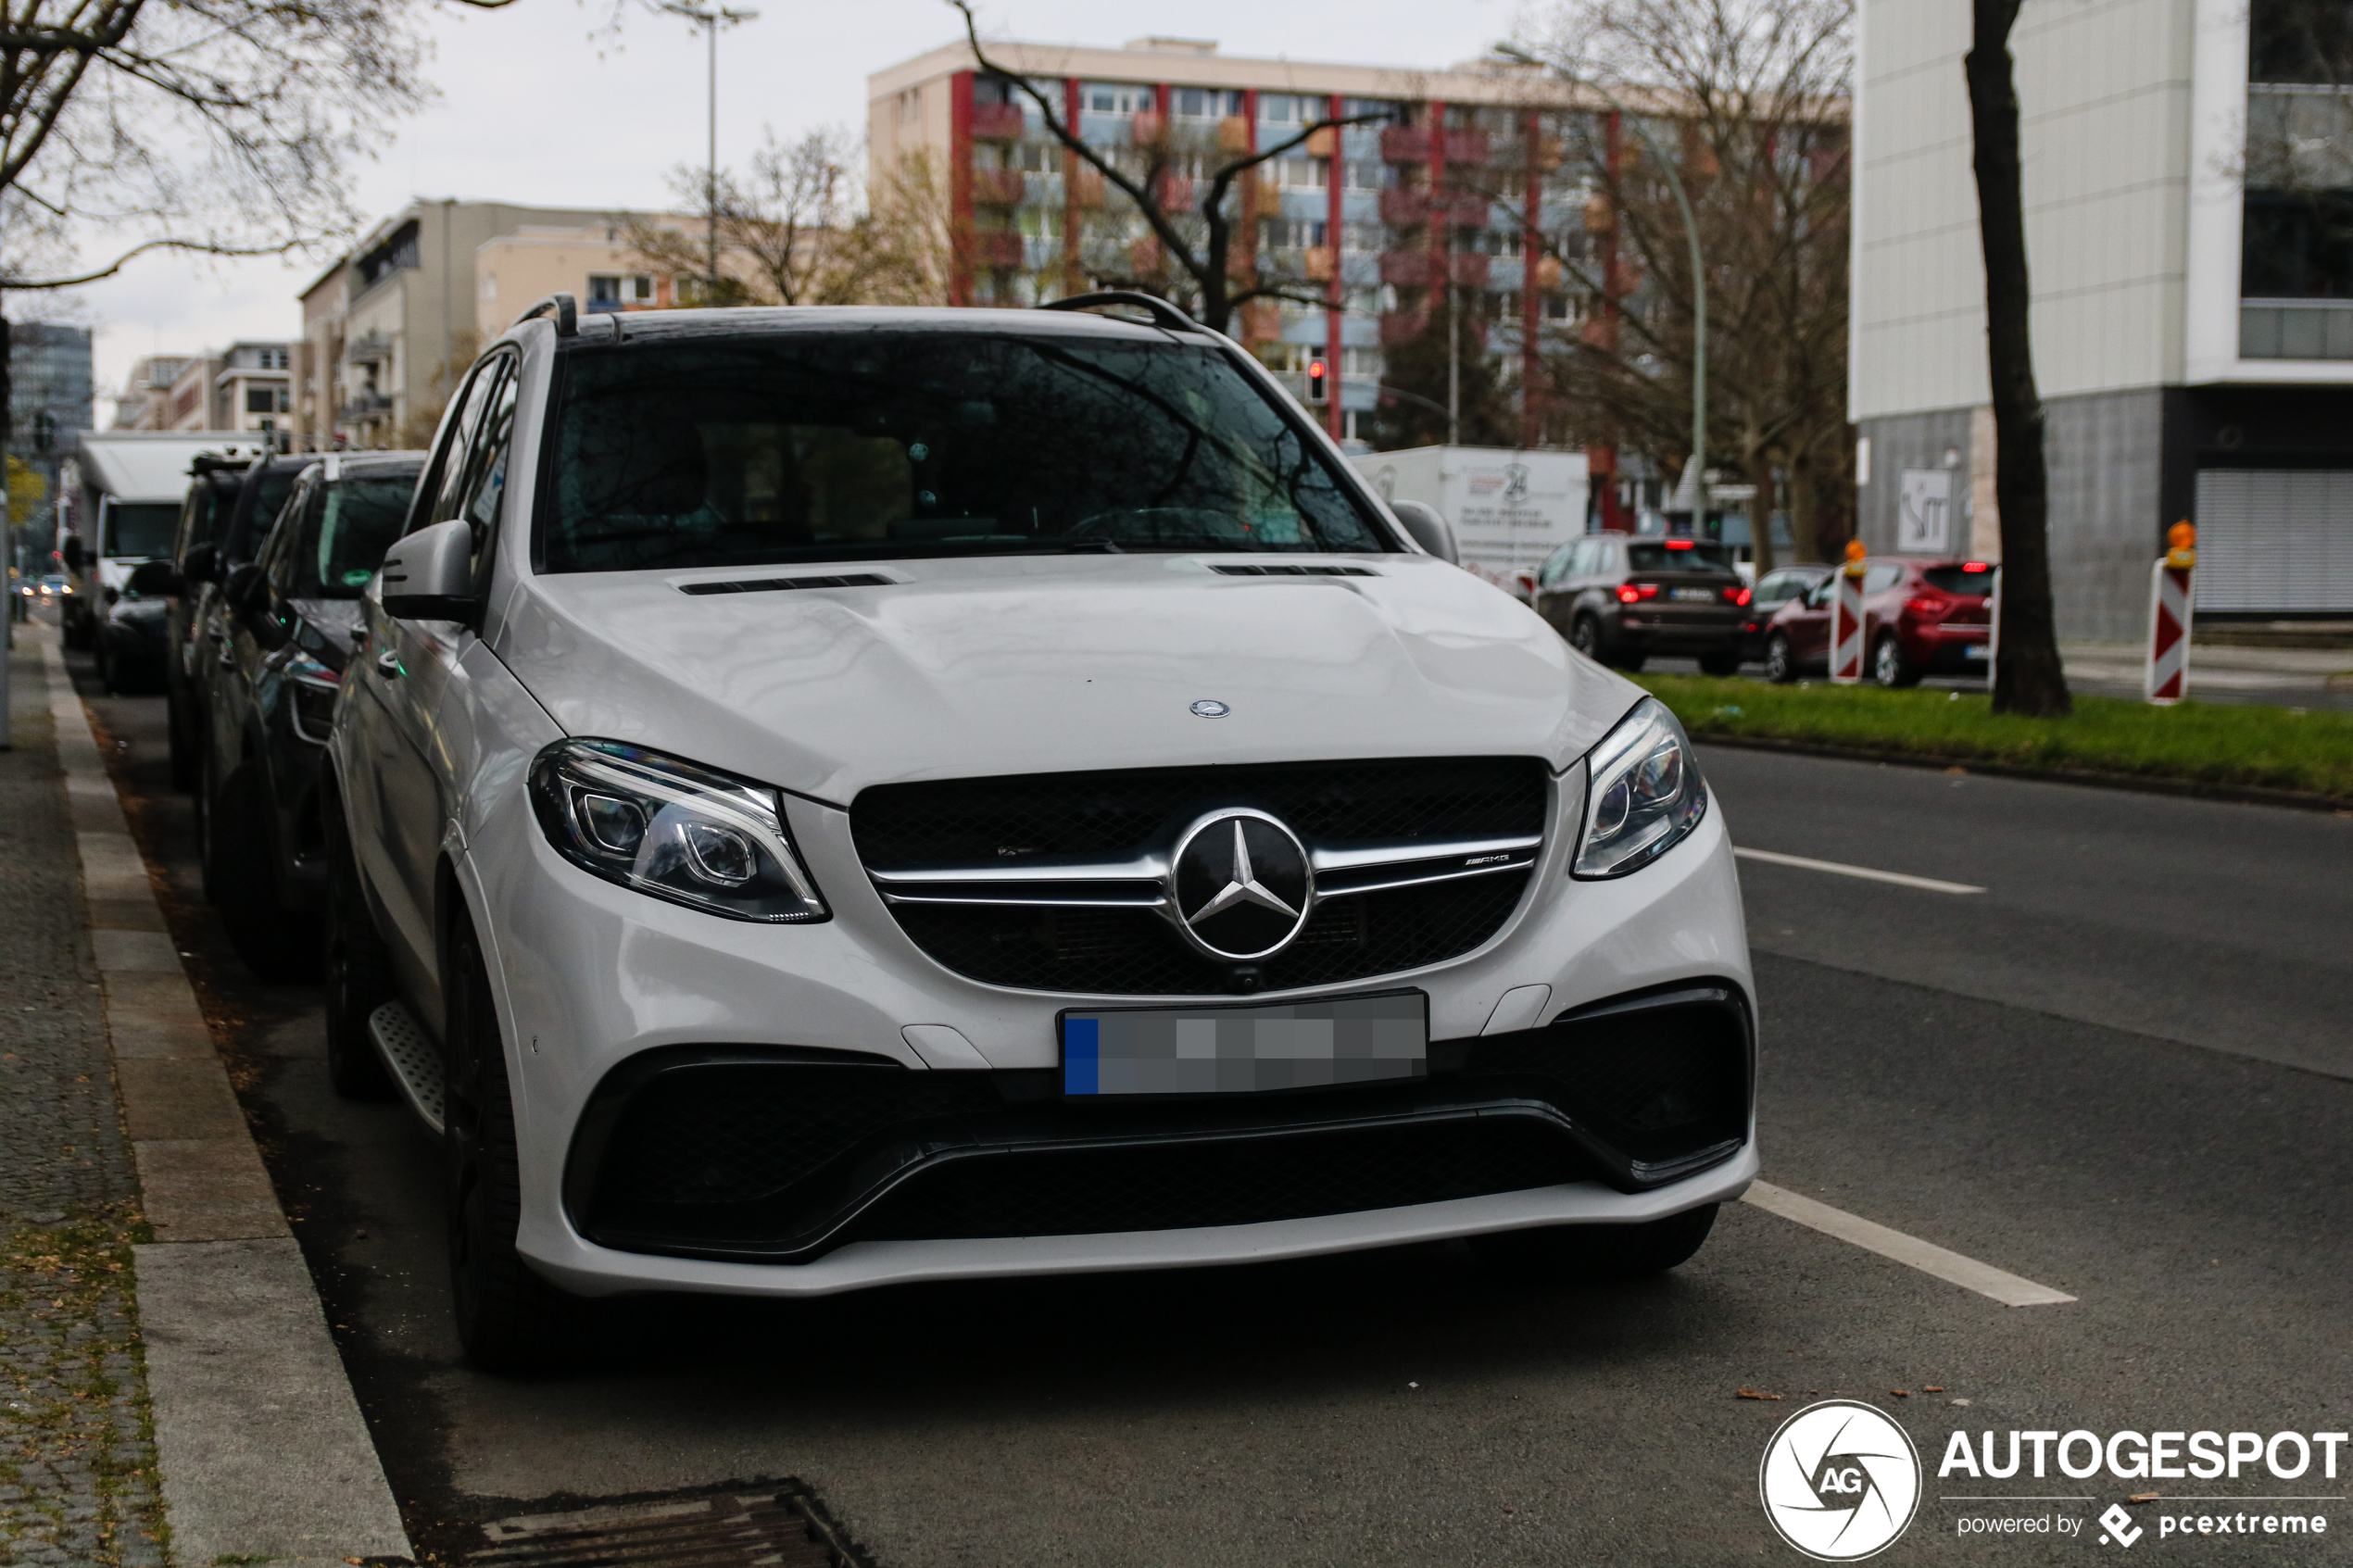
(285, 622)
(132, 631)
(1773, 590)
(1620, 599)
(230, 507)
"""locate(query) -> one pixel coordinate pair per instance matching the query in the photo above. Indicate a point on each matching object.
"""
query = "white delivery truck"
(1509, 508)
(121, 491)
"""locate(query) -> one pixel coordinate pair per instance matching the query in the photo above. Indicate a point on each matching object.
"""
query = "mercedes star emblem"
(1210, 708)
(1243, 885)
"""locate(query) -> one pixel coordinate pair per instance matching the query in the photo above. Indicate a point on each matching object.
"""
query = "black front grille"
(1117, 815)
(716, 1152)
(999, 820)
(1083, 1191)
(1136, 952)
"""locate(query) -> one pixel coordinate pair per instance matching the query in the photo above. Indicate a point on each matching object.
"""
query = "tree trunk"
(1803, 545)
(2029, 679)
(1758, 461)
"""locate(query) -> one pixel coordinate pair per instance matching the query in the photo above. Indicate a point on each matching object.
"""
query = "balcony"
(1466, 146)
(1319, 264)
(997, 122)
(1470, 270)
(368, 348)
(362, 408)
(1404, 209)
(1408, 268)
(1404, 144)
(998, 187)
(1149, 127)
(995, 248)
(1233, 135)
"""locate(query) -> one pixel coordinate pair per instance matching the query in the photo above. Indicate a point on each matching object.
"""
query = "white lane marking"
(1836, 869)
(1927, 1256)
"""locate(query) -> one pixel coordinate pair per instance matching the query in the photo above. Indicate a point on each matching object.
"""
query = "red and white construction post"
(1846, 618)
(2171, 602)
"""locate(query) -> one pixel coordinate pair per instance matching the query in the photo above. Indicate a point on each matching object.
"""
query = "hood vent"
(1242, 569)
(778, 584)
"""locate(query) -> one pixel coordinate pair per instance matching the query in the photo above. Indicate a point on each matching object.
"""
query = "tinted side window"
(1881, 578)
(277, 554)
(1780, 587)
(1592, 556)
(448, 481)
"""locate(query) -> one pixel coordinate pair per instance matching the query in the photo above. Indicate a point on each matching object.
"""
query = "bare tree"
(1188, 200)
(2028, 678)
(787, 222)
(1750, 97)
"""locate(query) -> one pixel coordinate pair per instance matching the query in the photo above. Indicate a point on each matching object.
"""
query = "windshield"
(823, 447)
(346, 529)
(1960, 578)
(1679, 556)
(140, 530)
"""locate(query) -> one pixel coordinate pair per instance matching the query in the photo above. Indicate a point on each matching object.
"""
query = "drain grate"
(776, 1526)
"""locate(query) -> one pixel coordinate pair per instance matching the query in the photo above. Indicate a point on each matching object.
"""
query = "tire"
(184, 760)
(241, 876)
(1575, 1254)
(1889, 666)
(1781, 659)
(1585, 637)
(359, 973)
(510, 1320)
(1724, 661)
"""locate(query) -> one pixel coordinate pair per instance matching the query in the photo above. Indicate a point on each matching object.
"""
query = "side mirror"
(1428, 529)
(429, 575)
(72, 550)
(154, 580)
(203, 564)
(247, 593)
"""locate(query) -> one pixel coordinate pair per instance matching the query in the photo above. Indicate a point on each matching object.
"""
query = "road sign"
(1846, 618)
(2171, 604)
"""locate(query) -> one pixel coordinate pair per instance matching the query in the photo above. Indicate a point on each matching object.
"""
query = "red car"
(1919, 617)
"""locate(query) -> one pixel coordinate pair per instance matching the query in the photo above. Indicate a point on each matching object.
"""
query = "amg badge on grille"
(1243, 885)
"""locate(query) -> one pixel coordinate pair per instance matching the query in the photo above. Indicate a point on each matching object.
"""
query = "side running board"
(414, 1060)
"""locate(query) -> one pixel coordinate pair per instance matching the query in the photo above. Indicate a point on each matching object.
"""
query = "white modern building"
(2189, 212)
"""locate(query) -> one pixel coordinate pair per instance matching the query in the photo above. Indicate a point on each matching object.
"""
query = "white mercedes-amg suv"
(832, 797)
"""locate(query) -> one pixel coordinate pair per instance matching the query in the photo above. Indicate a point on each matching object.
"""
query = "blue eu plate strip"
(1078, 1055)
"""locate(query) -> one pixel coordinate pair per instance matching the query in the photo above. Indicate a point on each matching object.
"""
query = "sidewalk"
(2281, 673)
(184, 1394)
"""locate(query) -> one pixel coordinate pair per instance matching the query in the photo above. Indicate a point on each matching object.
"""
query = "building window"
(604, 292)
(1287, 108)
(1112, 97)
(1369, 174)
(910, 105)
(1290, 233)
(1300, 173)
(1202, 103)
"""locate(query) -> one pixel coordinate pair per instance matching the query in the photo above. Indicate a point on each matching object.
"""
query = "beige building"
(145, 398)
(247, 387)
(591, 262)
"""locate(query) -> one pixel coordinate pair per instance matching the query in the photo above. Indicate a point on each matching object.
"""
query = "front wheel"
(1563, 1254)
(1585, 637)
(1781, 659)
(510, 1319)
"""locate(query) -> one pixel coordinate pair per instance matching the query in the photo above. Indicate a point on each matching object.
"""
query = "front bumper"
(597, 983)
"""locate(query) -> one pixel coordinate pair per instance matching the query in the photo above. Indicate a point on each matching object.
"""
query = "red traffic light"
(1317, 380)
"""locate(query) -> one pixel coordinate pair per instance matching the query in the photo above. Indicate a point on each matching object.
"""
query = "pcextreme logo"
(1840, 1481)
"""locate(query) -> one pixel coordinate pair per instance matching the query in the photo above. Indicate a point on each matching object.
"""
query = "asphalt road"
(2121, 1071)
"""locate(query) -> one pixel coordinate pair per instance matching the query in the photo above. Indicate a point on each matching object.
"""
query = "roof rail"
(565, 310)
(1163, 314)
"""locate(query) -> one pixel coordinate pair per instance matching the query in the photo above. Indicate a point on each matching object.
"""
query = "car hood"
(967, 668)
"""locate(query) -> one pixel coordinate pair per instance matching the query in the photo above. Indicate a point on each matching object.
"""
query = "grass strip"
(2242, 744)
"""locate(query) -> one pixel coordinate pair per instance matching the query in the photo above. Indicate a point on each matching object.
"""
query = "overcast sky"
(534, 109)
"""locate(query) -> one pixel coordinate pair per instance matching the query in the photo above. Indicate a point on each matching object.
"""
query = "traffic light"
(1318, 378)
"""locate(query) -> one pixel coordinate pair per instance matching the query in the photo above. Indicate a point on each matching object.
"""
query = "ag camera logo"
(1840, 1481)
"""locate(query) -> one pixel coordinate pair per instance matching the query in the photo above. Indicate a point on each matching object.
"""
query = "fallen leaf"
(1901, 1393)
(1932, 1388)
(2143, 1497)
(1755, 1394)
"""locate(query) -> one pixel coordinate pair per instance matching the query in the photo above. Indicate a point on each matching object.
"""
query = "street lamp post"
(1699, 271)
(711, 18)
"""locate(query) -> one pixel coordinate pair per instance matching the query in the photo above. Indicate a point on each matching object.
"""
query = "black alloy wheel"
(1585, 637)
(1781, 660)
(359, 973)
(510, 1319)
(1580, 1254)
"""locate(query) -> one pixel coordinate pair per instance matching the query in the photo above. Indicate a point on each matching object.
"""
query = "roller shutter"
(2276, 540)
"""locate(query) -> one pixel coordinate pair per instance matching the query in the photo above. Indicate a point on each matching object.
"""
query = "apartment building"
(2188, 184)
(245, 387)
(1449, 171)
(146, 391)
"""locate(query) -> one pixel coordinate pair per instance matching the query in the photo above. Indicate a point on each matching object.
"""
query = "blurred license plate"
(1976, 650)
(1692, 596)
(1241, 1049)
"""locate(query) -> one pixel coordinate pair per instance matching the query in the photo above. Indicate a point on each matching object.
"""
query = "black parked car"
(285, 622)
(230, 507)
(1620, 599)
(132, 631)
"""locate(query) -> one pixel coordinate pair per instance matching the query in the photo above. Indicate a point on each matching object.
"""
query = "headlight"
(1643, 794)
(670, 829)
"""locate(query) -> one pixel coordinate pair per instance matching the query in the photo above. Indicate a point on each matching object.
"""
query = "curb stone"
(263, 1452)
